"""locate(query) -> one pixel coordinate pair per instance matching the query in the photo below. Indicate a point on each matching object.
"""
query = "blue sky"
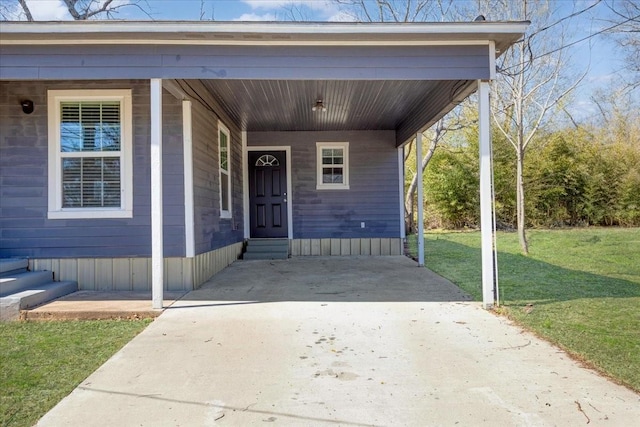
(219, 10)
(601, 52)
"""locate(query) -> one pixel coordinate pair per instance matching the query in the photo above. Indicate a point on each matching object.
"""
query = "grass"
(42, 362)
(578, 288)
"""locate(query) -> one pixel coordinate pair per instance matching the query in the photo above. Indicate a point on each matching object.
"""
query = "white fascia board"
(257, 33)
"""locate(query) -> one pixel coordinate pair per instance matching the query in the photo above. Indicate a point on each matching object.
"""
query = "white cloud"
(275, 4)
(256, 17)
(341, 16)
(317, 5)
(48, 10)
(304, 10)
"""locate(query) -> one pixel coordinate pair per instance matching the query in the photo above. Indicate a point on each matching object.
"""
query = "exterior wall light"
(27, 106)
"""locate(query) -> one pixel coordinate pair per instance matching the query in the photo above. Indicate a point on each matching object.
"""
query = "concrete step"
(11, 305)
(10, 266)
(268, 248)
(268, 242)
(249, 256)
(13, 283)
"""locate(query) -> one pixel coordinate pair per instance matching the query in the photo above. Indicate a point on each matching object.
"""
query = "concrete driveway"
(339, 341)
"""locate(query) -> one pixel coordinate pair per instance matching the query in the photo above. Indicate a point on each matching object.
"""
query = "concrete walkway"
(96, 305)
(339, 341)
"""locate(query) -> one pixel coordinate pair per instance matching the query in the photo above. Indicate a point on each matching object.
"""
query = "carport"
(266, 77)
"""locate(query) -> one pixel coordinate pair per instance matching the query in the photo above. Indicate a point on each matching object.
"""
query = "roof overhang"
(503, 34)
(316, 58)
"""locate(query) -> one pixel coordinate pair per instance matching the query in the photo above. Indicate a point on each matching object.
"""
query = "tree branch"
(25, 9)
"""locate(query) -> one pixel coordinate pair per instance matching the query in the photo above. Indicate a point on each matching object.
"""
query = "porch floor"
(95, 305)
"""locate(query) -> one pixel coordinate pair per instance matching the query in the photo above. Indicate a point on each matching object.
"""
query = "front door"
(268, 193)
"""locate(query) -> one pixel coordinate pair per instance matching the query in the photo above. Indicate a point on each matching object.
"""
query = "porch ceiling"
(286, 105)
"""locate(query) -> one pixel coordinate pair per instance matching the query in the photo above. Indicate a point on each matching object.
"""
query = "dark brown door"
(268, 193)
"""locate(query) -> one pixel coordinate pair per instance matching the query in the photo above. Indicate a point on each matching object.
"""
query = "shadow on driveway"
(330, 279)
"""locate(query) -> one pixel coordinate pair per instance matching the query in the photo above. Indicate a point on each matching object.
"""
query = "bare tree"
(626, 32)
(533, 80)
(25, 8)
(81, 10)
(396, 10)
(452, 122)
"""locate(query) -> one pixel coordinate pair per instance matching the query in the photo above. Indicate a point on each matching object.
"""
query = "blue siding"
(373, 197)
(248, 62)
(211, 231)
(24, 227)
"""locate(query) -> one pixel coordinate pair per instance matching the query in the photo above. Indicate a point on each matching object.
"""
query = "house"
(142, 155)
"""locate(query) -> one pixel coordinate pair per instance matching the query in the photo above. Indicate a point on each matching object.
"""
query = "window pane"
(332, 176)
(224, 186)
(90, 182)
(224, 155)
(332, 156)
(90, 126)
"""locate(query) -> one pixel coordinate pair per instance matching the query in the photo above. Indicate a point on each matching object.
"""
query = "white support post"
(245, 186)
(487, 224)
(187, 151)
(403, 231)
(420, 200)
(157, 240)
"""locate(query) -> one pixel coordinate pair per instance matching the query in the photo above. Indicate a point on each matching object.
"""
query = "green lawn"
(582, 287)
(42, 362)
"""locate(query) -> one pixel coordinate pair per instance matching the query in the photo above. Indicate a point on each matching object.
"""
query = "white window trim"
(55, 97)
(223, 212)
(332, 186)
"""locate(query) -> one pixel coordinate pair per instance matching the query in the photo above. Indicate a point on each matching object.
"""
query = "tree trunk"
(520, 212)
(408, 201)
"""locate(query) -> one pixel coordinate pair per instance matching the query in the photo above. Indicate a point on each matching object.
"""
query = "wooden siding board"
(68, 269)
(335, 247)
(104, 274)
(174, 276)
(259, 62)
(345, 247)
(140, 274)
(355, 247)
(315, 247)
(86, 275)
(365, 246)
(122, 274)
(295, 247)
(325, 247)
(211, 231)
(305, 248)
(385, 247)
(375, 247)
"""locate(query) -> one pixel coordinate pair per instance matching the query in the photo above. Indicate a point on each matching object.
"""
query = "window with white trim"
(332, 165)
(224, 150)
(90, 161)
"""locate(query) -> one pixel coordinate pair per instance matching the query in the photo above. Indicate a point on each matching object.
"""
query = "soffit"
(286, 105)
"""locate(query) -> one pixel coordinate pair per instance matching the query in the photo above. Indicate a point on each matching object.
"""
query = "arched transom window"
(267, 160)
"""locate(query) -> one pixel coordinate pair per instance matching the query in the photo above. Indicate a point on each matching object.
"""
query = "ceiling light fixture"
(319, 106)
